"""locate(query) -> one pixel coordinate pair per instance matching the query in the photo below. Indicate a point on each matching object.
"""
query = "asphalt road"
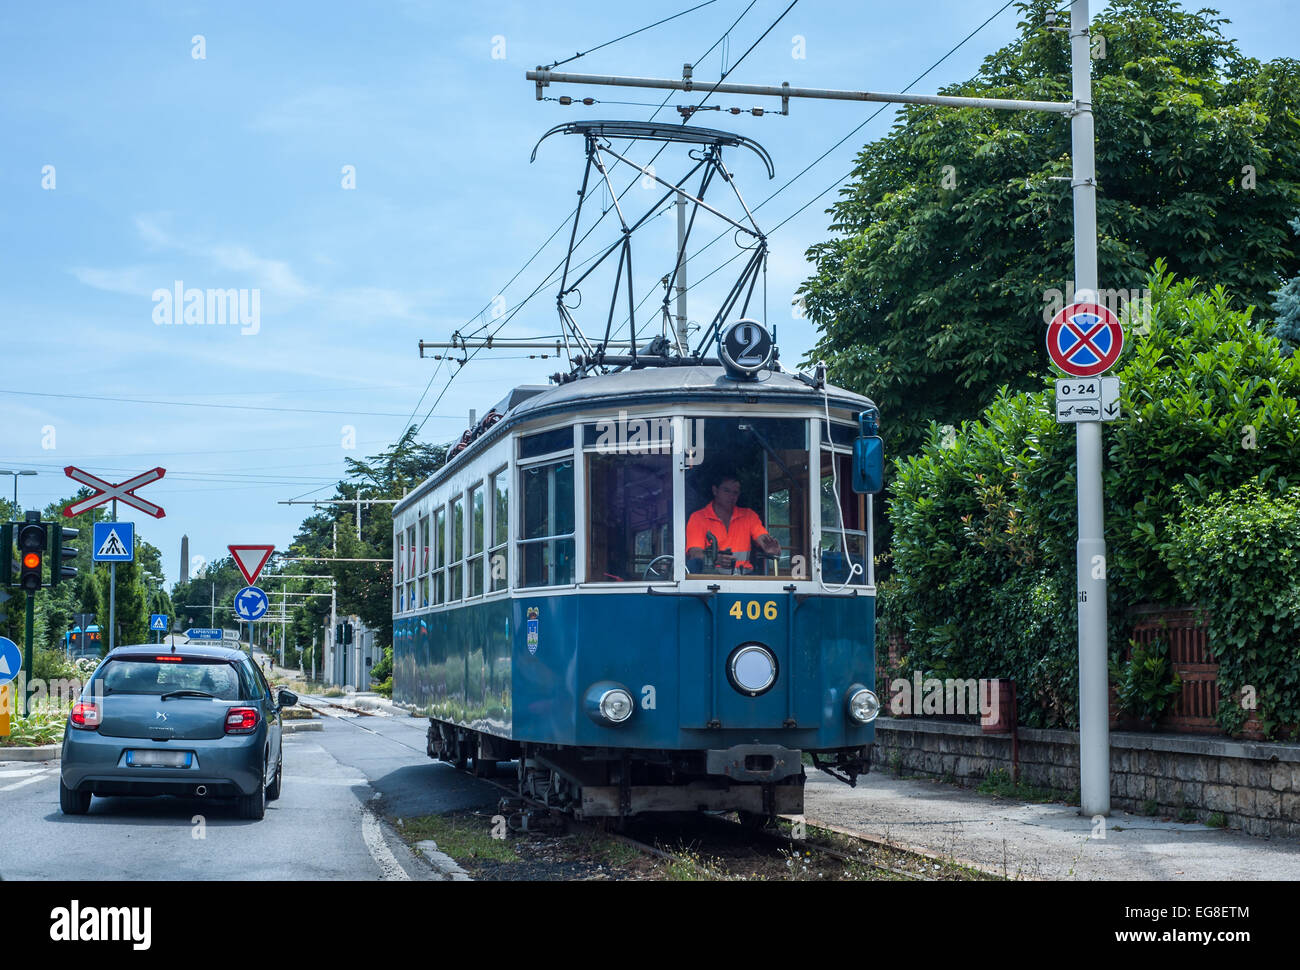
(328, 824)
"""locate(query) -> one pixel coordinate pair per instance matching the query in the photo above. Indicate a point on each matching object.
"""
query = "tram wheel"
(755, 821)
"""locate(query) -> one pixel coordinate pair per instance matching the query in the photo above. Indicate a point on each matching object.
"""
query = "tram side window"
(399, 560)
(440, 556)
(412, 601)
(747, 501)
(456, 549)
(852, 537)
(498, 560)
(424, 581)
(546, 524)
(476, 547)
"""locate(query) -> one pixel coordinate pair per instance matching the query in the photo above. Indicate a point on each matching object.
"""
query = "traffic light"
(58, 570)
(32, 539)
(343, 635)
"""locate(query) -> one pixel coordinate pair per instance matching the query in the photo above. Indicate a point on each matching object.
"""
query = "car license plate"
(159, 759)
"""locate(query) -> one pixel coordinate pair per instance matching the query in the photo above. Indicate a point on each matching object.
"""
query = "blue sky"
(227, 171)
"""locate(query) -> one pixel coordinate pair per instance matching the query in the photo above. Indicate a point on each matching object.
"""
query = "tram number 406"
(754, 609)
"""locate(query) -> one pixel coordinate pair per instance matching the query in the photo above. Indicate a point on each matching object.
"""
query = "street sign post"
(250, 559)
(113, 542)
(108, 492)
(1087, 399)
(158, 624)
(1084, 339)
(251, 604)
(11, 662)
(105, 492)
(203, 633)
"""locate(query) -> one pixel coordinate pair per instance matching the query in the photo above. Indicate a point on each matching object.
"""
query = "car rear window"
(147, 676)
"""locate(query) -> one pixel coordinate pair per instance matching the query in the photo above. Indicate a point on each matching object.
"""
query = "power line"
(633, 33)
(452, 376)
(196, 404)
(840, 181)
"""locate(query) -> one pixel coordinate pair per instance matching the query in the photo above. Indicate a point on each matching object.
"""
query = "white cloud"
(131, 280)
(271, 274)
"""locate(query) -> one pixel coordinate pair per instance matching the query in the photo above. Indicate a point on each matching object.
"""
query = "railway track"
(719, 847)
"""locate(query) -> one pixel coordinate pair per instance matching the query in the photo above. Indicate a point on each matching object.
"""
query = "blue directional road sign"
(11, 660)
(113, 542)
(251, 603)
(202, 633)
(158, 621)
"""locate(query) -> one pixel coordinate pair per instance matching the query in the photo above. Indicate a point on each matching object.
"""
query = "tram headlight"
(609, 703)
(751, 668)
(863, 704)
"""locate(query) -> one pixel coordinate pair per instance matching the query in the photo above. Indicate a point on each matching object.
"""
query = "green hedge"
(1240, 555)
(985, 522)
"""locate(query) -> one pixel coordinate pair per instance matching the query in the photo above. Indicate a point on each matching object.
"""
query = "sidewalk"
(1040, 841)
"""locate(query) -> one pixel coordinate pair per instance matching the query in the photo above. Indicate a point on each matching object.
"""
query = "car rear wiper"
(188, 692)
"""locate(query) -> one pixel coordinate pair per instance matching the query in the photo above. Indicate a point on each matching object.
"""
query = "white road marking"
(23, 772)
(25, 781)
(373, 835)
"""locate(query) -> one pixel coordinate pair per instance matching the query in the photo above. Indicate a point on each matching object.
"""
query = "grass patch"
(998, 782)
(463, 837)
(1217, 820)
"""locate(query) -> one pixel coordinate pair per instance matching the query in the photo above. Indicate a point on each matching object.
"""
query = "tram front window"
(630, 504)
(747, 499)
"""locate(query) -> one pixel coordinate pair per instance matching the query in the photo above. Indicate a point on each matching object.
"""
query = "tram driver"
(719, 536)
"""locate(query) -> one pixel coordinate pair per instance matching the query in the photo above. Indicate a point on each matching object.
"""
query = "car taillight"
(241, 720)
(85, 716)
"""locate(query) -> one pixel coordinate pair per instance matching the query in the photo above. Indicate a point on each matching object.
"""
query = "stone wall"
(1255, 785)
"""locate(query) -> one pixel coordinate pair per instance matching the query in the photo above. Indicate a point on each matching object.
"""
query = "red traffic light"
(32, 560)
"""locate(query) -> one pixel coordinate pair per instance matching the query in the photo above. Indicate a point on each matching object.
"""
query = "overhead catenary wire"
(633, 33)
(452, 375)
(840, 181)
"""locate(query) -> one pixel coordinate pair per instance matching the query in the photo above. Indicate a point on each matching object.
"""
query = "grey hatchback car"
(157, 720)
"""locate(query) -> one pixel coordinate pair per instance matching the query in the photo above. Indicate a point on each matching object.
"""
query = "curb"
(442, 862)
(41, 752)
(298, 727)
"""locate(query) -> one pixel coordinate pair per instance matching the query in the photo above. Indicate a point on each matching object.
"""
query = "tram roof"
(650, 385)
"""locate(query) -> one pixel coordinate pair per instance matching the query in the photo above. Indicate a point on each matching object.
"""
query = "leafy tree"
(985, 523)
(1286, 309)
(931, 294)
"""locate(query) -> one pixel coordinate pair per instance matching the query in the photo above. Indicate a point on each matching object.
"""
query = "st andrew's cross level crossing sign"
(106, 492)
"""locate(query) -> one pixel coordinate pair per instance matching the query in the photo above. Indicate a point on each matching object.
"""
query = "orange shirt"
(745, 527)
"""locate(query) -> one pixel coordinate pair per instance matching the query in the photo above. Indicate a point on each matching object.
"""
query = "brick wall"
(1256, 785)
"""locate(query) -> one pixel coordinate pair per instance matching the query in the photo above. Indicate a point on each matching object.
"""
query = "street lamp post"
(15, 473)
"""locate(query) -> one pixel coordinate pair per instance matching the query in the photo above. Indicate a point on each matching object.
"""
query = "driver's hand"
(726, 561)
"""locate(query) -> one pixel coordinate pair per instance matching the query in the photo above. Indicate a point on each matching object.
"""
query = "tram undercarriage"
(759, 780)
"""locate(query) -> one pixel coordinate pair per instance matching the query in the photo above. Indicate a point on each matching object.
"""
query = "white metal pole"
(1094, 728)
(112, 593)
(682, 336)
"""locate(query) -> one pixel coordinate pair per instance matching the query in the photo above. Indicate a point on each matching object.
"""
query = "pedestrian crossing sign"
(113, 542)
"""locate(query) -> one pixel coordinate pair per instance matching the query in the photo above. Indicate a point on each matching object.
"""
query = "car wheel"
(73, 802)
(254, 806)
(273, 792)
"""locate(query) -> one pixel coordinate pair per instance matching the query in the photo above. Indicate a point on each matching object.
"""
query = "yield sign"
(250, 560)
(107, 492)
(1084, 339)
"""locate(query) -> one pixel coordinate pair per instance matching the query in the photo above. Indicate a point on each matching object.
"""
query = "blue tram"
(572, 592)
